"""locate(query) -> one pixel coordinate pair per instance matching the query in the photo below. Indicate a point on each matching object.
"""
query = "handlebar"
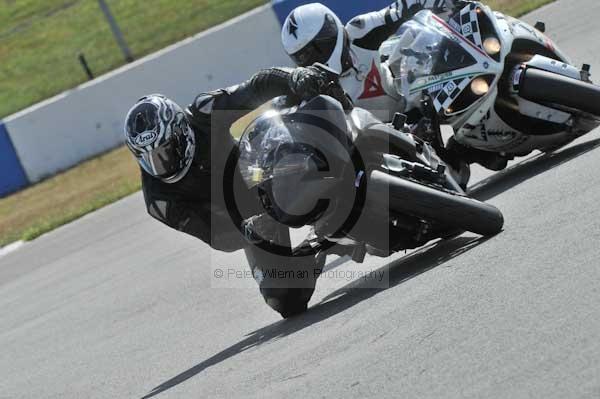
(333, 88)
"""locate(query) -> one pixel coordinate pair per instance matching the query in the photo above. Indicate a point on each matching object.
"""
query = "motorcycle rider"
(313, 33)
(183, 156)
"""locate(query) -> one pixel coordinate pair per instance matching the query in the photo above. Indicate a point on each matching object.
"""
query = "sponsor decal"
(373, 86)
(436, 88)
(450, 87)
(146, 138)
(467, 29)
(432, 82)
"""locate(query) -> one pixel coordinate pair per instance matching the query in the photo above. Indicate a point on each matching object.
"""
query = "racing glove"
(308, 82)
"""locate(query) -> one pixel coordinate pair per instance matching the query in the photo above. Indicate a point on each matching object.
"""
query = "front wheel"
(552, 89)
(431, 204)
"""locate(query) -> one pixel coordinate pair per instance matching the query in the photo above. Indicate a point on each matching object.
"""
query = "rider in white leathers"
(313, 33)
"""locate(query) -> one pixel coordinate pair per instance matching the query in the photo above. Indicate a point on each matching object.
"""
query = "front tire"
(552, 89)
(428, 203)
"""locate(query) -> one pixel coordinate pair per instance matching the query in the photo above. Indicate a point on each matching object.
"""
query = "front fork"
(429, 128)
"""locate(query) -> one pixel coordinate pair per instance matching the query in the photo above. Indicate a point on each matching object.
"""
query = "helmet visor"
(164, 161)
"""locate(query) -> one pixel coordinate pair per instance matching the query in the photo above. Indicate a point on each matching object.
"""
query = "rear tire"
(550, 88)
(427, 203)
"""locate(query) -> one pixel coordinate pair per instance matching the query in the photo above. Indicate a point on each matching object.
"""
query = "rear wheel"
(428, 203)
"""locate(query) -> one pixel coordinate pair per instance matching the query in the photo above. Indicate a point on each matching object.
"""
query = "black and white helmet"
(159, 135)
(313, 33)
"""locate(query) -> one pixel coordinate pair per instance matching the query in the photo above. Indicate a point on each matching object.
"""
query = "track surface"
(117, 306)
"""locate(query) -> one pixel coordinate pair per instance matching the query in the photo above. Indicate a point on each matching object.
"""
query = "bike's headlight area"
(254, 175)
(489, 33)
(477, 89)
(492, 46)
(480, 86)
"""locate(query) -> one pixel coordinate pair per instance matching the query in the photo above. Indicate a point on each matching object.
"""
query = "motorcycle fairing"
(499, 121)
(419, 70)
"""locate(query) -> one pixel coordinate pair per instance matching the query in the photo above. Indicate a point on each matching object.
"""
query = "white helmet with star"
(313, 33)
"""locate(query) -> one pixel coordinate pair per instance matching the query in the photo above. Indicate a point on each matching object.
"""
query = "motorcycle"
(504, 86)
(364, 187)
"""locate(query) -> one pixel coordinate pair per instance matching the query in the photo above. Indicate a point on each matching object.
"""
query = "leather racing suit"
(197, 205)
(366, 82)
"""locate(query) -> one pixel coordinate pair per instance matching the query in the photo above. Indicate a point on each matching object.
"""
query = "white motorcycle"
(503, 86)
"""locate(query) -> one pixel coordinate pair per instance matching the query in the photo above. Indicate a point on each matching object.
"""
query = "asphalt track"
(117, 306)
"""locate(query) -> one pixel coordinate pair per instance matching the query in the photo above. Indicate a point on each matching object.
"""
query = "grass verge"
(68, 196)
(40, 40)
(516, 8)
(105, 179)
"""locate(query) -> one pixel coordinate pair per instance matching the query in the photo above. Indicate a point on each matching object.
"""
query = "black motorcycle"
(363, 186)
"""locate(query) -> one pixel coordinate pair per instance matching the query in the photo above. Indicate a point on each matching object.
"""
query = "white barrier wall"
(83, 122)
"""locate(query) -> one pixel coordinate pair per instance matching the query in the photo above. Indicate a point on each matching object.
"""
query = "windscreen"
(268, 150)
(422, 51)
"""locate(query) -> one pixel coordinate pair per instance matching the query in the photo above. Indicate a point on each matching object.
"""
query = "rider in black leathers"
(191, 198)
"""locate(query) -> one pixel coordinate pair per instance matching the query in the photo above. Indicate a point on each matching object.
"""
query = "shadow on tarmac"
(399, 271)
(528, 169)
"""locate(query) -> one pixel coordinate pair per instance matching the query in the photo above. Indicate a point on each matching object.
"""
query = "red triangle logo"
(373, 86)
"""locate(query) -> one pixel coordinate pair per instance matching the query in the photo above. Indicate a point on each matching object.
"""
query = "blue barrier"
(12, 175)
(345, 9)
